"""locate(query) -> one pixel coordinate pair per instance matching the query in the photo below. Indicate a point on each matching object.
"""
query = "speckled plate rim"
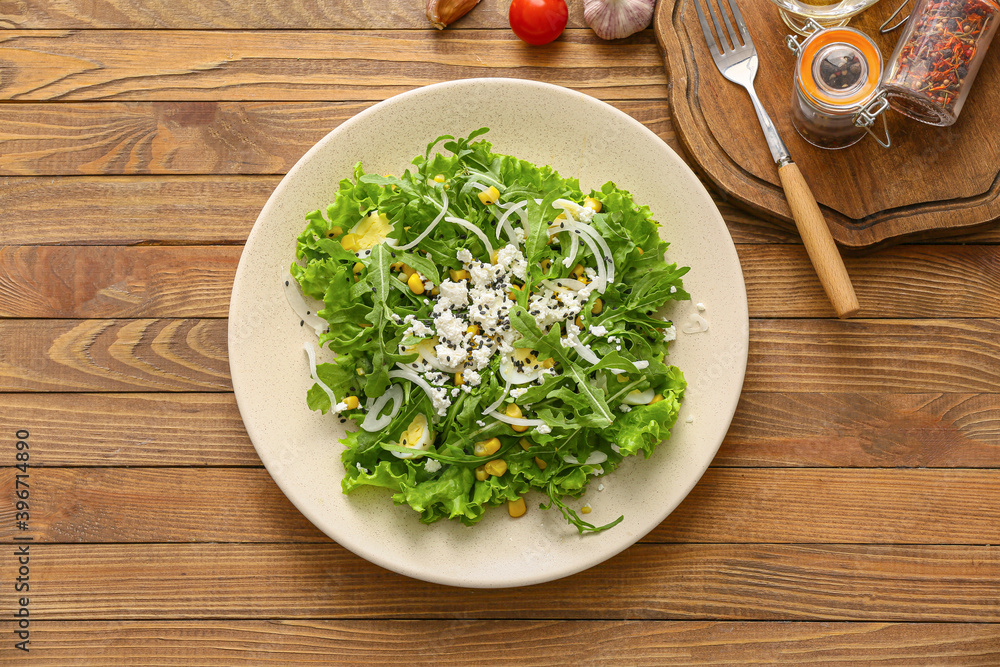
(546, 124)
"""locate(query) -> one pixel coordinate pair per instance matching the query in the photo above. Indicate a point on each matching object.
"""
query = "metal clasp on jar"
(865, 118)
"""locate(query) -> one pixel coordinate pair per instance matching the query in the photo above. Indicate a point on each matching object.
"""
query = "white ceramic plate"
(579, 136)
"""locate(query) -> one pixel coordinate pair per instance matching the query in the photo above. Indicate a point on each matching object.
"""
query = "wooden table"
(852, 514)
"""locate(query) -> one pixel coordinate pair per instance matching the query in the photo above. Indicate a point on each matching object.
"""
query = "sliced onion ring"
(515, 421)
(311, 353)
(497, 403)
(374, 420)
(430, 227)
(407, 374)
(461, 222)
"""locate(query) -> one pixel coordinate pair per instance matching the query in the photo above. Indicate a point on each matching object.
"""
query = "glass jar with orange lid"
(836, 93)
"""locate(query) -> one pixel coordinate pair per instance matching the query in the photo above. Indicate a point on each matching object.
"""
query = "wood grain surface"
(535, 643)
(848, 519)
(790, 506)
(706, 582)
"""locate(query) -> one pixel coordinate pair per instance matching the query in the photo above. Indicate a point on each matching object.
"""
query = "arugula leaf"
(549, 346)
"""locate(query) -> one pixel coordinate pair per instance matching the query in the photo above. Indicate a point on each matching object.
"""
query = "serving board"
(932, 181)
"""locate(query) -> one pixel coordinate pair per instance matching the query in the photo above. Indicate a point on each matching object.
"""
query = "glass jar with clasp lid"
(837, 91)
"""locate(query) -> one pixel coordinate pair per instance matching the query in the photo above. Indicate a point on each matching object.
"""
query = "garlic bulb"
(614, 19)
(442, 13)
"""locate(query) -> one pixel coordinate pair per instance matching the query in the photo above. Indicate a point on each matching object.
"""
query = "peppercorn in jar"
(937, 58)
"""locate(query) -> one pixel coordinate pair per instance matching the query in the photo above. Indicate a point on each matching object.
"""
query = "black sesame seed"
(302, 323)
(286, 283)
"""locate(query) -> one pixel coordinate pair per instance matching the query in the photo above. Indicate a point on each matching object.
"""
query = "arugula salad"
(495, 331)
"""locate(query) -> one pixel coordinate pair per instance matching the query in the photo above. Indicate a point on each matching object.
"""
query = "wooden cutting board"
(932, 181)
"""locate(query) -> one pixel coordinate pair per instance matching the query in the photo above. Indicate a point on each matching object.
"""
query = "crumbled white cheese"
(700, 306)
(339, 407)
(673, 289)
(480, 423)
(464, 256)
(518, 393)
(669, 334)
(598, 330)
(436, 377)
(543, 428)
(432, 465)
(454, 392)
(689, 420)
(624, 408)
(417, 328)
(512, 260)
(471, 377)
(452, 295)
(450, 328)
(600, 487)
(439, 399)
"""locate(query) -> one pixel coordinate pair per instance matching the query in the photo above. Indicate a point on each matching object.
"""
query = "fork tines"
(740, 43)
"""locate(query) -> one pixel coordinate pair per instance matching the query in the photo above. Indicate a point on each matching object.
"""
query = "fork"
(738, 63)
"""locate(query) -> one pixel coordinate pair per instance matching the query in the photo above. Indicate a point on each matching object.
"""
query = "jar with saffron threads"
(938, 56)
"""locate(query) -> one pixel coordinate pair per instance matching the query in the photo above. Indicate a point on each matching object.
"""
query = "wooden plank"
(90, 505)
(903, 282)
(190, 137)
(769, 429)
(47, 281)
(648, 581)
(863, 429)
(164, 137)
(144, 210)
(260, 14)
(201, 429)
(243, 505)
(215, 210)
(525, 643)
(874, 356)
(785, 356)
(315, 65)
(113, 355)
(109, 281)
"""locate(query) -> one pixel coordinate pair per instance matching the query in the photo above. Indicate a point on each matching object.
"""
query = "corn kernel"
(540, 463)
(336, 231)
(349, 242)
(352, 402)
(656, 399)
(489, 196)
(590, 202)
(545, 264)
(481, 473)
(585, 509)
(578, 270)
(457, 275)
(439, 178)
(407, 270)
(512, 410)
(415, 284)
(496, 467)
(459, 381)
(579, 322)
(359, 267)
(473, 329)
(516, 508)
(549, 363)
(598, 307)
(525, 444)
(435, 291)
(487, 447)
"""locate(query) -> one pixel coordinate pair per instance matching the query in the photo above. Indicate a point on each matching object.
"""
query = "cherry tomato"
(538, 21)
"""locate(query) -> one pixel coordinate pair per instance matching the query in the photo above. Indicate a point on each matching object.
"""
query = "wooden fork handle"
(819, 242)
